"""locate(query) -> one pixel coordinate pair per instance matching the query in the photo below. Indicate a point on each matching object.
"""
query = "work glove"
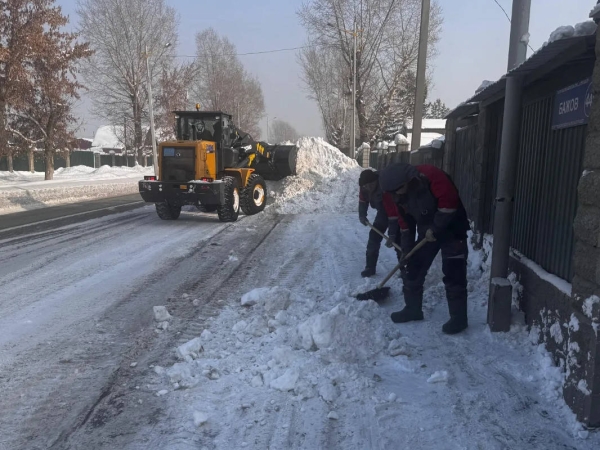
(429, 236)
(363, 220)
(390, 241)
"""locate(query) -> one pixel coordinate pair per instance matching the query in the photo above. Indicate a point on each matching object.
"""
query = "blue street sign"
(572, 105)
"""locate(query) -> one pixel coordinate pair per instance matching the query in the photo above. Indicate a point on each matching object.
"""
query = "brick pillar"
(586, 263)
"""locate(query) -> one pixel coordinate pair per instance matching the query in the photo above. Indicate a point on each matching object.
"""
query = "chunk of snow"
(257, 381)
(133, 364)
(588, 305)
(161, 314)
(329, 392)
(287, 381)
(440, 376)
(162, 392)
(556, 333)
(190, 350)
(333, 415)
(583, 387)
(563, 32)
(200, 418)
(586, 28)
(400, 139)
(252, 297)
(240, 326)
(525, 38)
(574, 323)
(484, 84)
(392, 397)
(206, 335)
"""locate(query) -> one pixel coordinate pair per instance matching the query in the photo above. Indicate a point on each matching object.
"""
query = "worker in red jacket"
(429, 205)
(370, 194)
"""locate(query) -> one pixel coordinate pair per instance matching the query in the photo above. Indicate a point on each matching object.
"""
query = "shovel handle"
(383, 236)
(404, 258)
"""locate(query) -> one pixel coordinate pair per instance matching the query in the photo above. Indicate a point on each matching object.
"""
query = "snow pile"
(586, 28)
(400, 139)
(484, 84)
(326, 180)
(562, 32)
(25, 190)
(278, 341)
(107, 136)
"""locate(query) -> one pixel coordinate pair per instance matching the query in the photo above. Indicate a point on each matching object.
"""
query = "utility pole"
(152, 132)
(125, 140)
(353, 132)
(499, 304)
(421, 66)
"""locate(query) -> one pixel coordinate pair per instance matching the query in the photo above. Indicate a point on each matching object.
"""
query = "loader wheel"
(207, 208)
(168, 212)
(230, 210)
(254, 195)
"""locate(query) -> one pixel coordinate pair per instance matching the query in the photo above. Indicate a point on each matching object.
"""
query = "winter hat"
(367, 176)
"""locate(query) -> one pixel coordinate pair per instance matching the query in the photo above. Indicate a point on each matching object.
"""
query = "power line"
(509, 21)
(263, 51)
(503, 10)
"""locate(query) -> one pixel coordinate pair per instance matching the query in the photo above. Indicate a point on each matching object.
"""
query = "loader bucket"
(281, 164)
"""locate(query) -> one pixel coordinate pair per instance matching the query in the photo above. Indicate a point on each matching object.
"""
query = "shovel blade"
(377, 294)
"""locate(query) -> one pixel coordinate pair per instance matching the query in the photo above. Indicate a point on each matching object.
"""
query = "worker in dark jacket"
(371, 194)
(429, 205)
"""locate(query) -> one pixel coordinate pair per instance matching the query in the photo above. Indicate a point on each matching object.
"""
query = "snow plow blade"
(281, 162)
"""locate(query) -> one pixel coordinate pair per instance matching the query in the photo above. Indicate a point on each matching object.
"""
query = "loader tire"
(207, 208)
(168, 212)
(230, 210)
(254, 195)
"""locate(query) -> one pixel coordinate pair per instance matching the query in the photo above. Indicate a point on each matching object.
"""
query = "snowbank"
(326, 181)
(26, 190)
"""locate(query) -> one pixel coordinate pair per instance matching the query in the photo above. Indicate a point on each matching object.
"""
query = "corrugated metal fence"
(549, 169)
(465, 173)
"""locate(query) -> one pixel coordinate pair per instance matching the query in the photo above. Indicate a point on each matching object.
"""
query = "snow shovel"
(381, 292)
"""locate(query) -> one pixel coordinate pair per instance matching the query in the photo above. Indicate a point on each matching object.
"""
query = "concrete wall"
(586, 255)
(569, 335)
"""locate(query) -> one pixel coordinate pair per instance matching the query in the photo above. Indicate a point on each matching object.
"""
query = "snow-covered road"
(71, 298)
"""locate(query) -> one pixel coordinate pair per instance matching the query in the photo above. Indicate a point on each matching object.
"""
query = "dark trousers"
(375, 239)
(454, 266)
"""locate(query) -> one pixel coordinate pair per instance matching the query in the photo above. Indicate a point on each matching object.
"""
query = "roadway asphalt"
(41, 219)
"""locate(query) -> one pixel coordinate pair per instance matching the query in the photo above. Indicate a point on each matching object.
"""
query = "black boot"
(407, 315)
(458, 316)
(368, 272)
(413, 310)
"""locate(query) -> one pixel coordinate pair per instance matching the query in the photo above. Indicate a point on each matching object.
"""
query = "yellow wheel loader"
(214, 166)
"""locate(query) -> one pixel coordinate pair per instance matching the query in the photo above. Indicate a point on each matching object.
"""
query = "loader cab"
(211, 126)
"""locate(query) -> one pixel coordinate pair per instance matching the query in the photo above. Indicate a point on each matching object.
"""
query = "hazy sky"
(473, 47)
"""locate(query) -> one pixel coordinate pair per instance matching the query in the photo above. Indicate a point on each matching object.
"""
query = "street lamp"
(354, 34)
(152, 131)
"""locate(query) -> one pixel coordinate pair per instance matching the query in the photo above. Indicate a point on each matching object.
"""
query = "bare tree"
(282, 131)
(223, 84)
(387, 52)
(39, 62)
(24, 27)
(120, 31)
